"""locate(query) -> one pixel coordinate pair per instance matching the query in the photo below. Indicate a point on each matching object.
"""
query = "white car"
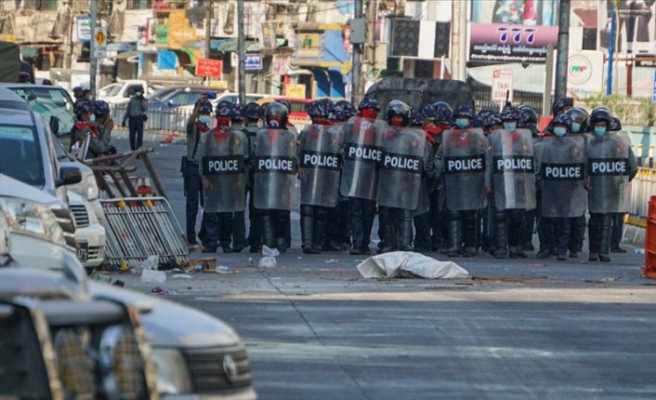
(120, 92)
(90, 235)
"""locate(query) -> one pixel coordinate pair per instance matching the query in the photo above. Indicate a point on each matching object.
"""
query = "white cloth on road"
(399, 263)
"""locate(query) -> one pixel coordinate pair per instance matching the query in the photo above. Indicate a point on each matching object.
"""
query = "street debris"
(331, 261)
(161, 292)
(400, 264)
(269, 258)
(221, 269)
(182, 276)
(149, 276)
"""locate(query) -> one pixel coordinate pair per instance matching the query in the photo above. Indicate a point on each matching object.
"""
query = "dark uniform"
(135, 115)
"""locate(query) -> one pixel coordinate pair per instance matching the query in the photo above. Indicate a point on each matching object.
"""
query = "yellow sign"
(219, 84)
(296, 91)
(7, 37)
(100, 38)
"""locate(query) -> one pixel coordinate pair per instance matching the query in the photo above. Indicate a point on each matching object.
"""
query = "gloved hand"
(123, 124)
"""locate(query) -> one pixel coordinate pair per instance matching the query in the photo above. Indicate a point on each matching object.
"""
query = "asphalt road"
(518, 329)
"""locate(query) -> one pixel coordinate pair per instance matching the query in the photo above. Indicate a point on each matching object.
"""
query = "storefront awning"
(126, 54)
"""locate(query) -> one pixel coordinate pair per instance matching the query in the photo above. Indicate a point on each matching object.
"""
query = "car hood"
(169, 324)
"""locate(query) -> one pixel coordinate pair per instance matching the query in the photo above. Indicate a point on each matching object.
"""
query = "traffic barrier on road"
(160, 120)
(649, 270)
(140, 227)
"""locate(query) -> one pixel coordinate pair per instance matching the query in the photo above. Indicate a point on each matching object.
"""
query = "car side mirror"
(54, 125)
(69, 176)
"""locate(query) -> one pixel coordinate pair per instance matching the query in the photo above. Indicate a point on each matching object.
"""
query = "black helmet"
(579, 119)
(275, 115)
(561, 104)
(398, 108)
(510, 114)
(615, 125)
(252, 110)
(318, 109)
(601, 114)
(463, 111)
(529, 116)
(442, 105)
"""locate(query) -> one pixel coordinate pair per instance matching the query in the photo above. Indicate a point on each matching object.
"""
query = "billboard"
(506, 42)
(516, 12)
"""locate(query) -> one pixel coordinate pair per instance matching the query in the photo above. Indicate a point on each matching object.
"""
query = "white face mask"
(204, 119)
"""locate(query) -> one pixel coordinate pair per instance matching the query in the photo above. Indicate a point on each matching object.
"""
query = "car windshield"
(49, 109)
(19, 154)
(110, 90)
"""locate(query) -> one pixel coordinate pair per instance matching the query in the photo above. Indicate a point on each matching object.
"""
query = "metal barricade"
(643, 187)
(159, 120)
(140, 227)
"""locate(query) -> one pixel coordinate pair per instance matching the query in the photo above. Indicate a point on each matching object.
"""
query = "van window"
(20, 154)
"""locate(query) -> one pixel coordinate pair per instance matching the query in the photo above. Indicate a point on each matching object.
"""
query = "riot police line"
(439, 179)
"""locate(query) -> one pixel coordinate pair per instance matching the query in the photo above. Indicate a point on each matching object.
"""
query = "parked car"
(196, 355)
(231, 98)
(182, 96)
(27, 153)
(57, 341)
(52, 102)
(120, 92)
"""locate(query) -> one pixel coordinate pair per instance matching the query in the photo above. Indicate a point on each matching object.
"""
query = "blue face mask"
(560, 131)
(462, 123)
(510, 126)
(599, 130)
(92, 118)
(576, 127)
(204, 119)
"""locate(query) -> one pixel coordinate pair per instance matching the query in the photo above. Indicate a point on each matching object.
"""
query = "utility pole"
(459, 40)
(356, 82)
(611, 49)
(563, 49)
(208, 29)
(370, 47)
(241, 50)
(548, 82)
(93, 61)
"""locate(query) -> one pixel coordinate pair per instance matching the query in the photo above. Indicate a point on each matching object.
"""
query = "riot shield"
(362, 154)
(608, 171)
(401, 166)
(562, 169)
(223, 167)
(464, 152)
(513, 167)
(274, 169)
(423, 202)
(321, 164)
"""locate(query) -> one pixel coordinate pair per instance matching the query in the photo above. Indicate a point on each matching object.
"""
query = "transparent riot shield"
(464, 157)
(562, 171)
(513, 169)
(275, 165)
(608, 171)
(320, 164)
(362, 153)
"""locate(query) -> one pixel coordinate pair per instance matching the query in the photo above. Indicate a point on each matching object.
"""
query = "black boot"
(307, 229)
(501, 235)
(605, 237)
(453, 237)
(320, 229)
(470, 232)
(387, 229)
(515, 232)
(527, 231)
(282, 227)
(268, 230)
(405, 230)
(594, 232)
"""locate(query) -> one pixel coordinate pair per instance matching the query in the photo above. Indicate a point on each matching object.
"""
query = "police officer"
(275, 167)
(252, 115)
(319, 172)
(238, 222)
(197, 124)
(529, 120)
(216, 226)
(135, 114)
(338, 236)
(360, 172)
(421, 215)
(492, 121)
(399, 181)
(513, 176)
(618, 222)
(78, 94)
(105, 124)
(611, 165)
(441, 123)
(561, 162)
(577, 224)
(463, 157)
(84, 130)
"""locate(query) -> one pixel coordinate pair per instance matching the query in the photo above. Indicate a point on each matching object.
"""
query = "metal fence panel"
(141, 227)
(162, 119)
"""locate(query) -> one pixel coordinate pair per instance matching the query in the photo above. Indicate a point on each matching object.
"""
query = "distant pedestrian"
(136, 116)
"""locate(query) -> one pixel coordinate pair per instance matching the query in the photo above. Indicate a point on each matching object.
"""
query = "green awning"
(231, 46)
(29, 51)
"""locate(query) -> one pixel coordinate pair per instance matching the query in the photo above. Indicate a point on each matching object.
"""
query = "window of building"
(40, 5)
(138, 4)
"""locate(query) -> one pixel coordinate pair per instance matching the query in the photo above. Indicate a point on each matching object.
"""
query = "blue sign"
(253, 62)
(653, 94)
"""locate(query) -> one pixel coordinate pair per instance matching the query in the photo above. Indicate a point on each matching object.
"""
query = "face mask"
(560, 131)
(599, 130)
(462, 123)
(576, 128)
(92, 118)
(138, 94)
(510, 126)
(368, 113)
(204, 119)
